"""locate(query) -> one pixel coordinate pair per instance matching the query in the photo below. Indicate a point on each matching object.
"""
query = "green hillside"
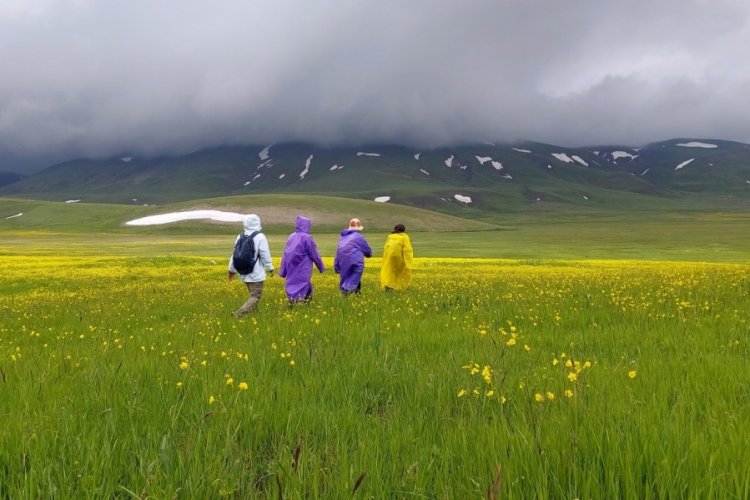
(497, 179)
(277, 212)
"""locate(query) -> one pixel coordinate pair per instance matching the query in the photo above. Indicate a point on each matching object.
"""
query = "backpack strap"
(257, 250)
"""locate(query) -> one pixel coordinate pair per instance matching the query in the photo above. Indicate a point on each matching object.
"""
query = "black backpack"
(245, 256)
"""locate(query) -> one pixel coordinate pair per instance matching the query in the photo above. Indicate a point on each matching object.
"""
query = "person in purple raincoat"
(350, 253)
(300, 253)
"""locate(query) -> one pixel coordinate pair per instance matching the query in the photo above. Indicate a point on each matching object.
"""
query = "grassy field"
(712, 236)
(553, 356)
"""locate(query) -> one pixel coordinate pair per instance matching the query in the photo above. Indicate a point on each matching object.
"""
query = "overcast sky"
(104, 77)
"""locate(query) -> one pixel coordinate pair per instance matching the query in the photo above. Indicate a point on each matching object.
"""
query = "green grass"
(116, 345)
(710, 236)
(109, 366)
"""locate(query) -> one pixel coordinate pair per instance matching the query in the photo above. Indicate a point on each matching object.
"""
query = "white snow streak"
(616, 155)
(462, 198)
(367, 154)
(684, 163)
(307, 167)
(580, 160)
(694, 144)
(522, 150)
(217, 215)
(72, 201)
(563, 157)
(449, 161)
(425, 172)
(483, 159)
(264, 153)
(382, 199)
(497, 165)
(14, 216)
(416, 156)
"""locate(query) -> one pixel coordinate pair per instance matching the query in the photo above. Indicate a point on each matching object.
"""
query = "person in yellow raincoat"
(398, 257)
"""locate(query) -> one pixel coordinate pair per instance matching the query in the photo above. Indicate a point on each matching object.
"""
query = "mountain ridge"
(484, 176)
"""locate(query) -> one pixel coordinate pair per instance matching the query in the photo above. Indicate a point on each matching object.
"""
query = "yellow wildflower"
(538, 398)
(632, 374)
(487, 374)
(230, 381)
(243, 386)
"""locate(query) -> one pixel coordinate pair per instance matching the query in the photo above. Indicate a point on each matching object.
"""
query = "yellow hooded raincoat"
(398, 257)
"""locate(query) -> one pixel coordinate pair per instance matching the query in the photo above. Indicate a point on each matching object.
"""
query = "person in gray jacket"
(257, 276)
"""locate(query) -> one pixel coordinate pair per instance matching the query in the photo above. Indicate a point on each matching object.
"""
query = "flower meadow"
(127, 377)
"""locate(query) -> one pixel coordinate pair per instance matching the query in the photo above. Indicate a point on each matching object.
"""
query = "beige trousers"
(255, 289)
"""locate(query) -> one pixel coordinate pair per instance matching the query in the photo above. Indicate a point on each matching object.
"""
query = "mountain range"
(457, 180)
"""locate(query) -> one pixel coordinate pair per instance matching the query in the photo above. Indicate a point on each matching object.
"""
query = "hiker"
(350, 253)
(300, 253)
(255, 278)
(398, 257)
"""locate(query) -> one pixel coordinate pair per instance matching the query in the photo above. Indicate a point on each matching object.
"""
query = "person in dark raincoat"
(398, 257)
(300, 253)
(350, 258)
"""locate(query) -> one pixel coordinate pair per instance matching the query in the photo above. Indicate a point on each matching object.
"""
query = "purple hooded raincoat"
(300, 252)
(350, 259)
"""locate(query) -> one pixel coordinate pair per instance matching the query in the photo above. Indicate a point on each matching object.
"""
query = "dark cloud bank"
(85, 77)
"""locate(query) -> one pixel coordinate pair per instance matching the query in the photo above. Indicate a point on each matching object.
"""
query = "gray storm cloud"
(101, 77)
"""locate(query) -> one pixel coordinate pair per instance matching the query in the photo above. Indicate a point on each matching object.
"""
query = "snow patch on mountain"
(563, 157)
(361, 153)
(684, 163)
(580, 160)
(416, 156)
(72, 201)
(462, 198)
(216, 215)
(307, 167)
(264, 153)
(336, 167)
(449, 161)
(695, 144)
(522, 150)
(382, 199)
(497, 165)
(425, 172)
(616, 155)
(14, 216)
(645, 172)
(483, 159)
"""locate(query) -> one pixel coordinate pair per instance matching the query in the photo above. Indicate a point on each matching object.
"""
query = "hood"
(303, 224)
(252, 223)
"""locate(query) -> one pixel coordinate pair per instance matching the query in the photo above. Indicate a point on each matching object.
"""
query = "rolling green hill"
(329, 214)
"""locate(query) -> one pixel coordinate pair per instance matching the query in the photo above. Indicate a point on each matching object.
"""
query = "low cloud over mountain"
(89, 78)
